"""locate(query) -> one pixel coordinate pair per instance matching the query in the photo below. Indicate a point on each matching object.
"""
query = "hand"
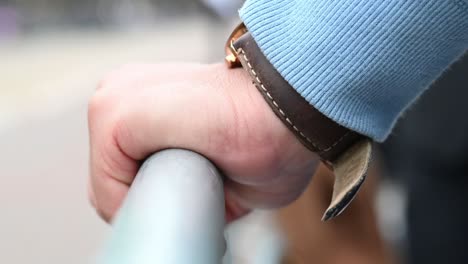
(141, 109)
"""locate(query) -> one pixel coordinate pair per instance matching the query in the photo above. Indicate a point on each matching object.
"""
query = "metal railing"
(174, 213)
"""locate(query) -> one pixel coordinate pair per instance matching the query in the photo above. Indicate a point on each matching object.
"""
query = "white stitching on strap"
(259, 82)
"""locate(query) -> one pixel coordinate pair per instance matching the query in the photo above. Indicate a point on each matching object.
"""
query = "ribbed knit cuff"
(361, 63)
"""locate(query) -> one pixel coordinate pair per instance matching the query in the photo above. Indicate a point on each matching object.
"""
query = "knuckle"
(101, 101)
(96, 105)
(111, 88)
(95, 102)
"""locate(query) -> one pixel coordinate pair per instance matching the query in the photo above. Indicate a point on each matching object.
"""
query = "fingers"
(109, 183)
(111, 170)
(131, 116)
(110, 194)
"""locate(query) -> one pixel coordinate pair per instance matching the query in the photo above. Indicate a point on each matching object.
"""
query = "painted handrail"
(174, 213)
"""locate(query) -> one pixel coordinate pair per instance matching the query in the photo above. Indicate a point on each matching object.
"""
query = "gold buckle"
(231, 54)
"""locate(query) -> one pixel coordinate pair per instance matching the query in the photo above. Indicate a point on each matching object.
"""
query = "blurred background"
(53, 53)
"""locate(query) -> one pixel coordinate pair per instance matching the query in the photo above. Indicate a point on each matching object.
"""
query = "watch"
(344, 151)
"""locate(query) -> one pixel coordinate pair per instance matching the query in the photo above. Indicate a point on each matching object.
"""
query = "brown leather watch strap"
(317, 132)
(346, 152)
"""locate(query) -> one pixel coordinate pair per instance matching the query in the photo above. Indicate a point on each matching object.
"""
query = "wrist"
(346, 151)
(255, 122)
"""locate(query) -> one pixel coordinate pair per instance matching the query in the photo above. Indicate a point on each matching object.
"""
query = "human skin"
(140, 109)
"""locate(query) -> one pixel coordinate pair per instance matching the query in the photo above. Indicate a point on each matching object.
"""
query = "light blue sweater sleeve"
(361, 63)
